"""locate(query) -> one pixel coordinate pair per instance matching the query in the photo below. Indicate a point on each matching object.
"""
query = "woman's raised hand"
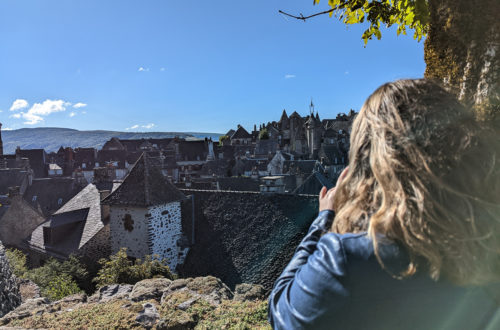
(326, 196)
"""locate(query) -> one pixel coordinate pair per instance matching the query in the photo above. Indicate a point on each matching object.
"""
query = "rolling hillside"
(51, 138)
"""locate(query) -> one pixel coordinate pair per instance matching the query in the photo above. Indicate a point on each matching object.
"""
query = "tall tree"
(462, 44)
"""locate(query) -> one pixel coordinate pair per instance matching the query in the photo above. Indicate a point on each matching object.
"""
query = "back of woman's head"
(424, 173)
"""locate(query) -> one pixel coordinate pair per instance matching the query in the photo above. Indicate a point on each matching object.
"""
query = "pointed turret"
(284, 116)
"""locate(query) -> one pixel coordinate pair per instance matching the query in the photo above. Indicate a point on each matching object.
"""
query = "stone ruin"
(10, 297)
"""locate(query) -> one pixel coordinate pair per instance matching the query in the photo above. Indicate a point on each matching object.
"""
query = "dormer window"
(47, 239)
(59, 201)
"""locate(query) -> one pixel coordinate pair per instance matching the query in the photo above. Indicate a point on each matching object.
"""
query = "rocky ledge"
(158, 303)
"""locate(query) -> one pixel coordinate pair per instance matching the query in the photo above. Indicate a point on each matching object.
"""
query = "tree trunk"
(463, 51)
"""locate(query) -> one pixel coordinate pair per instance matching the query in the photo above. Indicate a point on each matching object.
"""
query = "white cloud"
(7, 128)
(79, 105)
(143, 69)
(347, 72)
(132, 127)
(148, 126)
(19, 104)
(288, 76)
(162, 69)
(72, 114)
(39, 110)
(84, 112)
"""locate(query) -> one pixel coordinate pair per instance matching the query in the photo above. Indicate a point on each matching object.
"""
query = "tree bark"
(462, 50)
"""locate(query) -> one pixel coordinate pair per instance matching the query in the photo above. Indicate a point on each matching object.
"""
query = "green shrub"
(122, 270)
(60, 287)
(264, 134)
(17, 261)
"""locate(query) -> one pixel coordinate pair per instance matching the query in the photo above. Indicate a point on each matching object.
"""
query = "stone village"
(206, 207)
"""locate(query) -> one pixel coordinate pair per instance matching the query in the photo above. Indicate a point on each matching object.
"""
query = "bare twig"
(304, 18)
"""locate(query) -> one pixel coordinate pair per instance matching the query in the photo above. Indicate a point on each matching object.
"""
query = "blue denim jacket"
(335, 282)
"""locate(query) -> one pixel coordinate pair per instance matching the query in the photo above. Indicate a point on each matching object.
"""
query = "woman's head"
(422, 172)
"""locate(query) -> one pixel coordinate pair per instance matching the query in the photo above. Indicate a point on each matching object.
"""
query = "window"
(59, 201)
(34, 198)
(47, 239)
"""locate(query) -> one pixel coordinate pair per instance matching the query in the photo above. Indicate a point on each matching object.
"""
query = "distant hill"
(51, 138)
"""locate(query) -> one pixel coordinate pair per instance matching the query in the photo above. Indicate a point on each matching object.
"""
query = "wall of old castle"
(10, 297)
(129, 228)
(244, 236)
(165, 233)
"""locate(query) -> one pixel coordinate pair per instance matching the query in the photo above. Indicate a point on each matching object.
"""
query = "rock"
(188, 303)
(31, 306)
(178, 321)
(10, 297)
(113, 291)
(148, 316)
(28, 290)
(208, 288)
(249, 292)
(149, 289)
(73, 299)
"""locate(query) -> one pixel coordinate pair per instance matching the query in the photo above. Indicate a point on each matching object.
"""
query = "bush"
(17, 261)
(60, 287)
(263, 134)
(55, 279)
(121, 270)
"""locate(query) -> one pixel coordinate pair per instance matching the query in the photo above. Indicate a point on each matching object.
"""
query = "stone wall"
(165, 233)
(129, 228)
(9, 288)
(245, 237)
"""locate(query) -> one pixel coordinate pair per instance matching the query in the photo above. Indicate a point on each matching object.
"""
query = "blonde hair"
(423, 173)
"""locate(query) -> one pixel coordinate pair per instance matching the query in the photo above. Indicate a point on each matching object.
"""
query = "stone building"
(79, 227)
(145, 214)
(18, 221)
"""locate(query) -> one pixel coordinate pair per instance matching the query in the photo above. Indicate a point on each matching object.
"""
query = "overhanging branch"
(304, 18)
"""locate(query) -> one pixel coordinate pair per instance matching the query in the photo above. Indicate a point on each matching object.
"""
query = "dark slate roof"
(38, 160)
(48, 192)
(113, 144)
(218, 167)
(313, 184)
(241, 133)
(230, 132)
(144, 186)
(284, 116)
(13, 177)
(87, 156)
(193, 150)
(238, 184)
(330, 152)
(303, 166)
(84, 211)
(263, 147)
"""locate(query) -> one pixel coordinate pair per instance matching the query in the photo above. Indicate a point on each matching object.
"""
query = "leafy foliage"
(55, 279)
(263, 134)
(120, 269)
(413, 14)
(223, 139)
(17, 261)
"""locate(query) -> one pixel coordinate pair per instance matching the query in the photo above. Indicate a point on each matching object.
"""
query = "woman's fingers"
(322, 193)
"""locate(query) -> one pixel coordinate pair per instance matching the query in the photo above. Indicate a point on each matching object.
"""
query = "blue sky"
(162, 65)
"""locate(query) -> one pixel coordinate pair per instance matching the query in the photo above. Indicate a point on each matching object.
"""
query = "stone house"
(145, 214)
(18, 220)
(79, 227)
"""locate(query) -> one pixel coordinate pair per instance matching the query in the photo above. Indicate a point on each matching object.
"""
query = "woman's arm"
(311, 284)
